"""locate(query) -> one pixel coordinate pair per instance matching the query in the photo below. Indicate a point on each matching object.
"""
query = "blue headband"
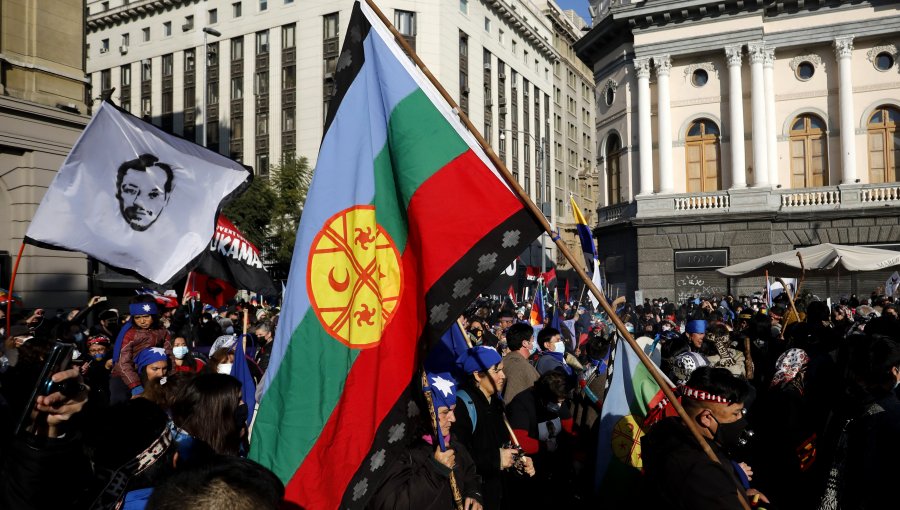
(149, 356)
(142, 309)
(443, 389)
(698, 326)
(479, 358)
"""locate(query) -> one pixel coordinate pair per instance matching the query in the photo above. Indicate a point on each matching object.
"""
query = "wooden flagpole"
(561, 246)
(12, 283)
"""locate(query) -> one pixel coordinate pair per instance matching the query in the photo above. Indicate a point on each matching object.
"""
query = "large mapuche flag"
(136, 197)
(405, 221)
(631, 396)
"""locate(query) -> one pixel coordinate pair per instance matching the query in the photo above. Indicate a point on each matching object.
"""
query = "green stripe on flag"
(420, 142)
(288, 404)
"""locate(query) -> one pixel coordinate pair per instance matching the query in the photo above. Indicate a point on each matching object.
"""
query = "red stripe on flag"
(373, 385)
(449, 209)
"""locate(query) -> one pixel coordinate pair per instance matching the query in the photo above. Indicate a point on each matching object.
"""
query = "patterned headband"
(114, 492)
(703, 396)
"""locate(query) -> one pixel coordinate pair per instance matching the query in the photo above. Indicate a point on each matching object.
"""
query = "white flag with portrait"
(135, 197)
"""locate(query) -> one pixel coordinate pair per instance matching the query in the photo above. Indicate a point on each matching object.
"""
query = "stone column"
(736, 116)
(758, 115)
(645, 134)
(663, 64)
(771, 130)
(843, 49)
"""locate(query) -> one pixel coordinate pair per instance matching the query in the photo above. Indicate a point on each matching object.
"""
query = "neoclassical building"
(731, 130)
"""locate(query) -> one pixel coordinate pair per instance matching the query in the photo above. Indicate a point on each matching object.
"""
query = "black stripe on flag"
(351, 60)
(445, 301)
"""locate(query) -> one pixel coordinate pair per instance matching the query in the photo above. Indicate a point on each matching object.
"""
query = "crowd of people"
(797, 403)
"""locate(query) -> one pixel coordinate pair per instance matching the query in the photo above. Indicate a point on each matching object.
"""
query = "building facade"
(730, 130)
(268, 72)
(576, 171)
(42, 111)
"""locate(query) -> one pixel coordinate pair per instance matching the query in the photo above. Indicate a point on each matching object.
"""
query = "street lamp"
(215, 33)
(540, 169)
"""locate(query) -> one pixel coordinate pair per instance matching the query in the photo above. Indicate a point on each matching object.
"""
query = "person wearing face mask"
(97, 371)
(520, 374)
(553, 354)
(542, 421)
(184, 360)
(677, 470)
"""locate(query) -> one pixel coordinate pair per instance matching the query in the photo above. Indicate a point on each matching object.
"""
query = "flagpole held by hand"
(538, 216)
(435, 426)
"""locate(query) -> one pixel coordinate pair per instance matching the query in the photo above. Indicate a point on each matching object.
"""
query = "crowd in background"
(157, 420)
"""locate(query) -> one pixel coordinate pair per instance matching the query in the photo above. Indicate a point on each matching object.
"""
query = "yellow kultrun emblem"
(354, 278)
(626, 441)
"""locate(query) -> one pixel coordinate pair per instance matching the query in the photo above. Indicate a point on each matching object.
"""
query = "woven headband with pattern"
(703, 396)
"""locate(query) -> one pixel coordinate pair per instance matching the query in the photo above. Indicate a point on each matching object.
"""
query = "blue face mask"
(533, 348)
(79, 337)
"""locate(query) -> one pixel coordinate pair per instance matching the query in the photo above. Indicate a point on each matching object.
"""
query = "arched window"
(614, 169)
(809, 153)
(702, 154)
(884, 145)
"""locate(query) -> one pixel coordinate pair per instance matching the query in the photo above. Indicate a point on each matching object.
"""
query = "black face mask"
(730, 435)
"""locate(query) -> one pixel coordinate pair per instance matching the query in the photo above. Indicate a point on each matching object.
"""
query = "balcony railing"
(753, 200)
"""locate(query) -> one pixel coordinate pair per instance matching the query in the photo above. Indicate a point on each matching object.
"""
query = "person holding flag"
(482, 427)
(418, 474)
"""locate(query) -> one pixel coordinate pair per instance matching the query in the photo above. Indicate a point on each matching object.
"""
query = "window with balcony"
(809, 153)
(702, 155)
(884, 145)
(614, 154)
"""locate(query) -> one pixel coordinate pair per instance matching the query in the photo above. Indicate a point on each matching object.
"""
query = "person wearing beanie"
(481, 423)
(418, 475)
(145, 333)
(97, 371)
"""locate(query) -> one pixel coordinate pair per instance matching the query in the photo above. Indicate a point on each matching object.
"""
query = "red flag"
(213, 291)
(567, 290)
(550, 275)
(532, 272)
(512, 294)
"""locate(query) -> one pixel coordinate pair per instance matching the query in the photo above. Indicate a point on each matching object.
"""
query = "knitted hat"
(149, 356)
(443, 389)
(479, 358)
(696, 326)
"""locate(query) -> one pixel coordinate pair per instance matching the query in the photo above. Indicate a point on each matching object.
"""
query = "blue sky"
(579, 5)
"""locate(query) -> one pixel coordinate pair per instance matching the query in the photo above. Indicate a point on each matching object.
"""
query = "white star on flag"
(158, 350)
(443, 385)
(146, 308)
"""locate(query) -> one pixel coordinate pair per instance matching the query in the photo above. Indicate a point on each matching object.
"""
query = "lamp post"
(215, 33)
(540, 170)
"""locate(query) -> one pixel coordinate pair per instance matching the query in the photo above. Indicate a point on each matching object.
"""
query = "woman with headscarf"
(786, 435)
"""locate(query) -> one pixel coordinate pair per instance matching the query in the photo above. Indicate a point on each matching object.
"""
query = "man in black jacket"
(676, 467)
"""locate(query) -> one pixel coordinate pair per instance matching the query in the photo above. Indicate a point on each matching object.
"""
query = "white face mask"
(180, 351)
(224, 368)
(533, 348)
(559, 347)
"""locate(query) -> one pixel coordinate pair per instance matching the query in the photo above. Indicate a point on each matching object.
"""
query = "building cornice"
(131, 11)
(529, 33)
